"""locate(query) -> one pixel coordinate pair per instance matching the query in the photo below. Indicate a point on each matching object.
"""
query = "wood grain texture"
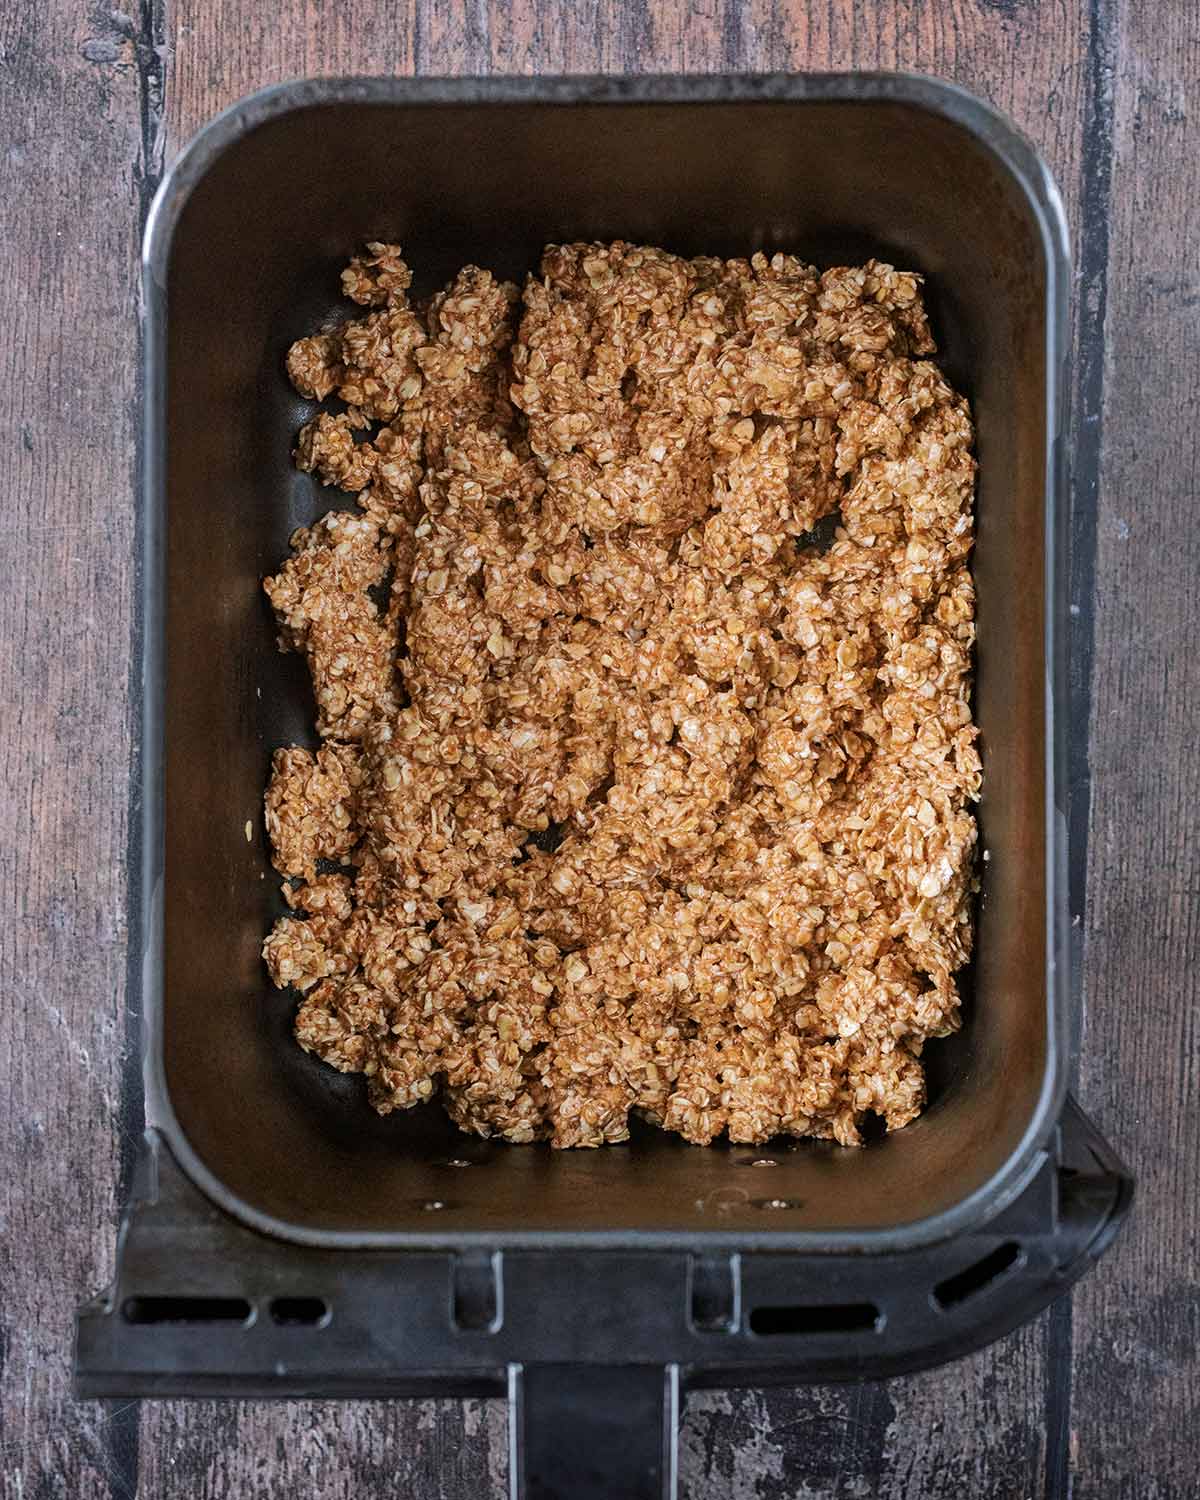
(217, 1450)
(81, 110)
(1032, 62)
(68, 374)
(1136, 1414)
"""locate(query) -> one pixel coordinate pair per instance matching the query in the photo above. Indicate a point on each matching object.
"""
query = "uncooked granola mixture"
(633, 793)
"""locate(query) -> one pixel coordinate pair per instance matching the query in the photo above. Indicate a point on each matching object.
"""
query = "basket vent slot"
(715, 1293)
(980, 1274)
(299, 1312)
(477, 1291)
(187, 1310)
(826, 1317)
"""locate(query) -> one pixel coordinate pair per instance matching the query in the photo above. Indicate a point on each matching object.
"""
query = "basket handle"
(593, 1432)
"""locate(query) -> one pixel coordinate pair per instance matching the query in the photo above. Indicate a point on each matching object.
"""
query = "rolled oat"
(639, 798)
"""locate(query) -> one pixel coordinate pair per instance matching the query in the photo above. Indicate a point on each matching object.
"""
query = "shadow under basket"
(280, 1238)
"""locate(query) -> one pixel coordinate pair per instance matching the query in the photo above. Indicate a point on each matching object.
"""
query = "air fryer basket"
(282, 1238)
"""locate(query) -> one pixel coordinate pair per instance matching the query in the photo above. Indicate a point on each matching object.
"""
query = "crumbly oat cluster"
(631, 795)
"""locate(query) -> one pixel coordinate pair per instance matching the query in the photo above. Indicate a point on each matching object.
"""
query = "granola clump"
(640, 794)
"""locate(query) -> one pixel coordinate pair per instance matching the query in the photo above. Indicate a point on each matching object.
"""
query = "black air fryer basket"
(283, 1240)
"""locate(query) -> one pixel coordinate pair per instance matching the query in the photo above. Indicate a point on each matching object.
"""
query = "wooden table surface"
(1098, 1397)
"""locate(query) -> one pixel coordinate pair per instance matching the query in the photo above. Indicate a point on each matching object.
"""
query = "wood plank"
(977, 1427)
(1137, 1329)
(86, 93)
(67, 405)
(227, 1450)
(973, 1429)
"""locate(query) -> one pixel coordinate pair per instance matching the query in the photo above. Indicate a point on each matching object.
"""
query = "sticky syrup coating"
(634, 793)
